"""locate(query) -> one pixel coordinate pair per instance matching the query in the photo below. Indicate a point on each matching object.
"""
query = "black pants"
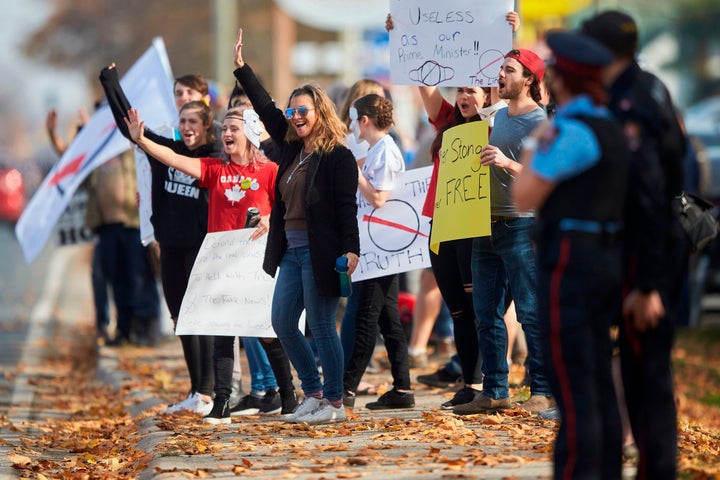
(579, 293)
(175, 267)
(648, 381)
(452, 269)
(224, 357)
(378, 308)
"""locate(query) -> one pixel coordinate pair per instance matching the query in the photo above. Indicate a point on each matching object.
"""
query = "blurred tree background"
(88, 34)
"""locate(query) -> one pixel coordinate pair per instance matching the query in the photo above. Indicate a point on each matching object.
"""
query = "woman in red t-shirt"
(246, 179)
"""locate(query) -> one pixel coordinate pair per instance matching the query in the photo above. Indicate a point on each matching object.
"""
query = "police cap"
(614, 29)
(576, 53)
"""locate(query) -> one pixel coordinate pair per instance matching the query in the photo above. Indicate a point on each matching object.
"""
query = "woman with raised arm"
(313, 223)
(246, 171)
(179, 220)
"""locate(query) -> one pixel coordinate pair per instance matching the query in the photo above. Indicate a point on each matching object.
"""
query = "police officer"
(576, 181)
(657, 252)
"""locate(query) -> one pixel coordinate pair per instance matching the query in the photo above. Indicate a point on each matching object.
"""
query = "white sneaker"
(324, 413)
(187, 404)
(202, 407)
(306, 406)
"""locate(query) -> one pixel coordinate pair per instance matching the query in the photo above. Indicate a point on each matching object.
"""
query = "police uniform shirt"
(570, 146)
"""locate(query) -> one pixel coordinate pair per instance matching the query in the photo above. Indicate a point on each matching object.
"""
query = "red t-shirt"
(443, 118)
(233, 189)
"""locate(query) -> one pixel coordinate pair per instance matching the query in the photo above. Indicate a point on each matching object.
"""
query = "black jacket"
(179, 205)
(331, 185)
(657, 251)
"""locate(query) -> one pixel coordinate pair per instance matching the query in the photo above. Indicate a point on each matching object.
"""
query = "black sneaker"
(220, 413)
(348, 399)
(441, 379)
(270, 403)
(289, 401)
(464, 395)
(249, 405)
(393, 399)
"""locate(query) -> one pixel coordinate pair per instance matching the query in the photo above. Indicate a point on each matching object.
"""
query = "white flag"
(148, 87)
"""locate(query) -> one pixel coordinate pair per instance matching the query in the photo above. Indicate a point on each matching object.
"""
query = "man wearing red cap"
(576, 177)
(504, 262)
(657, 250)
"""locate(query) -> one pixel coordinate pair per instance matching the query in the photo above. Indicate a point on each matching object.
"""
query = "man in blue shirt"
(504, 261)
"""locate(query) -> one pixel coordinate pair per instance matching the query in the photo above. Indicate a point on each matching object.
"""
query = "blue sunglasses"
(302, 111)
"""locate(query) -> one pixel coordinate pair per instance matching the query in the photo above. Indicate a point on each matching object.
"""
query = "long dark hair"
(457, 119)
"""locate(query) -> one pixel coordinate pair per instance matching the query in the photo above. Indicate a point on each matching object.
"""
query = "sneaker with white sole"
(220, 414)
(324, 413)
(249, 405)
(187, 404)
(306, 406)
(271, 403)
(202, 407)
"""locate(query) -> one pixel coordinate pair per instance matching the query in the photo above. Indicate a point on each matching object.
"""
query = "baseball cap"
(614, 29)
(529, 60)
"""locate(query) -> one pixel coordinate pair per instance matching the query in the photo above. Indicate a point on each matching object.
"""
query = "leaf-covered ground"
(83, 430)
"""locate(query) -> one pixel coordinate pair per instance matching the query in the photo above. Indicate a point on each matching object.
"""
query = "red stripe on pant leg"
(569, 415)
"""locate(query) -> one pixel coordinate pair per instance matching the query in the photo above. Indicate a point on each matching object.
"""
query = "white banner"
(148, 86)
(144, 185)
(394, 238)
(71, 228)
(454, 43)
(228, 292)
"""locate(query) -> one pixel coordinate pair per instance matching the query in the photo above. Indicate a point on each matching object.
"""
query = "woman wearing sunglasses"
(313, 222)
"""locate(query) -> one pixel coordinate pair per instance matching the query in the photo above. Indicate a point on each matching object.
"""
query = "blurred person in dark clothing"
(575, 179)
(657, 251)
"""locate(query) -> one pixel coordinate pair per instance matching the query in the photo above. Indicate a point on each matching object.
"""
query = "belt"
(589, 226)
(501, 218)
(602, 234)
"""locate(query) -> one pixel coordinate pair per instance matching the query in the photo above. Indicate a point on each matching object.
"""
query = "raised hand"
(389, 24)
(513, 18)
(238, 50)
(135, 126)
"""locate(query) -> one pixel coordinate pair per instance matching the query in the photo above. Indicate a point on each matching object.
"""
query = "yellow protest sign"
(462, 199)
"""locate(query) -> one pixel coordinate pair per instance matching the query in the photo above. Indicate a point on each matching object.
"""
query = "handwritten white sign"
(454, 43)
(228, 292)
(394, 238)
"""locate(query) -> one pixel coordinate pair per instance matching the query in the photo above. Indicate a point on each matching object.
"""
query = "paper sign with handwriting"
(394, 238)
(228, 292)
(462, 200)
(453, 43)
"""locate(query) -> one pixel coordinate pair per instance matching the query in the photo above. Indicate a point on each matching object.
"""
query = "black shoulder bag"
(697, 219)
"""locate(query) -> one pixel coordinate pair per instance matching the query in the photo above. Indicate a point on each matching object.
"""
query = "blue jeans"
(262, 377)
(347, 327)
(506, 259)
(295, 290)
(443, 323)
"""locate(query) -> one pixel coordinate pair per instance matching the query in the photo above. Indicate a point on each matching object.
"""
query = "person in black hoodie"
(180, 217)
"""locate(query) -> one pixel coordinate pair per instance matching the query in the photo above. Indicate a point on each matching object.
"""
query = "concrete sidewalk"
(420, 443)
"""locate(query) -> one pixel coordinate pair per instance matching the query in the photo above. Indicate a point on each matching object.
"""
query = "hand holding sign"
(453, 43)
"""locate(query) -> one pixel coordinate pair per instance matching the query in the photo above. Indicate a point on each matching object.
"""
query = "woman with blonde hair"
(313, 227)
(247, 171)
